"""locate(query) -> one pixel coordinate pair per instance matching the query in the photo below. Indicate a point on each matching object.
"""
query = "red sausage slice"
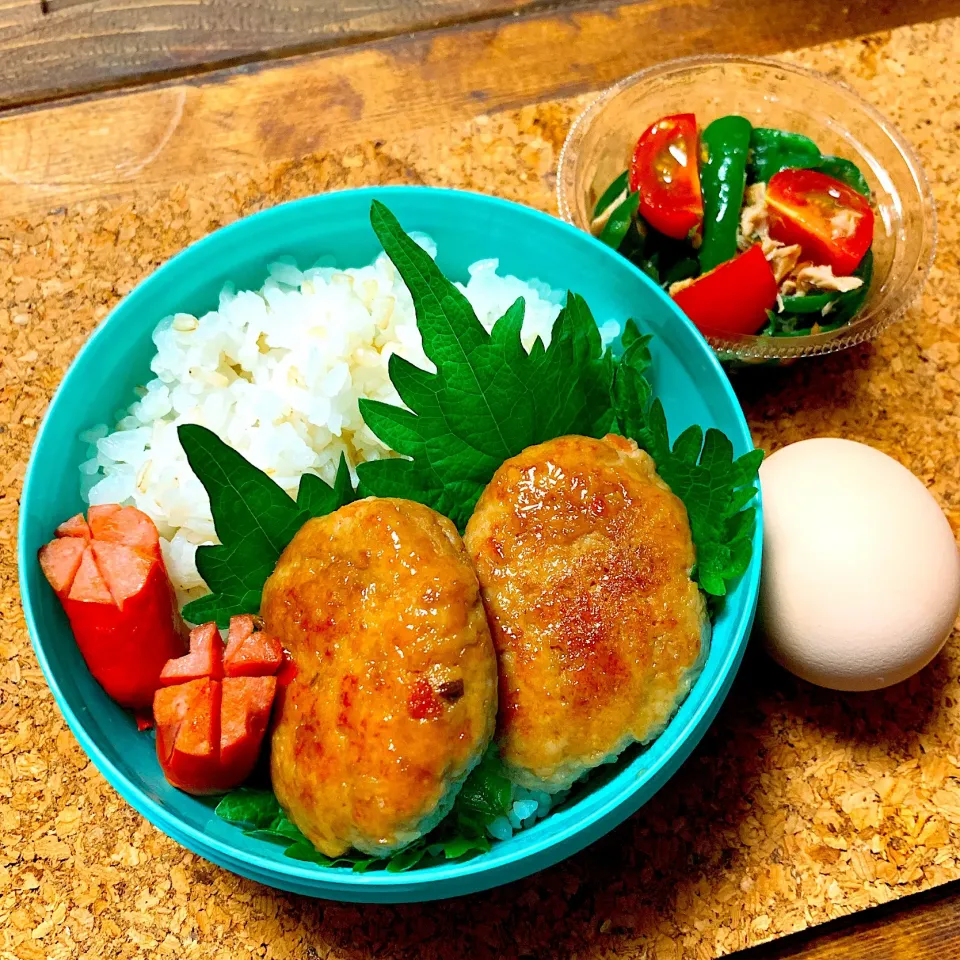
(251, 654)
(170, 709)
(244, 715)
(88, 585)
(243, 699)
(74, 527)
(205, 658)
(192, 763)
(60, 560)
(126, 525)
(124, 571)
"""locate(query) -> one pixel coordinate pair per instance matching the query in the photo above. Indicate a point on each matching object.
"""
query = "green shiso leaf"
(631, 334)
(485, 795)
(636, 415)
(489, 398)
(256, 809)
(254, 519)
(316, 498)
(700, 470)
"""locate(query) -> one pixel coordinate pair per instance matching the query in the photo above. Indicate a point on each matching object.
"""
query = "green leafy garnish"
(485, 795)
(700, 470)
(254, 518)
(317, 498)
(407, 858)
(489, 398)
(262, 818)
(256, 809)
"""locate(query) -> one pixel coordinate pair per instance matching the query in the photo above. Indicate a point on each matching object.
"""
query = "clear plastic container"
(774, 94)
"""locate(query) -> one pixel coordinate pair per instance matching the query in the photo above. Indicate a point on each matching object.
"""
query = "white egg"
(861, 573)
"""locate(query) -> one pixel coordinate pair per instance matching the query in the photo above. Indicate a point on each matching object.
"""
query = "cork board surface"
(800, 805)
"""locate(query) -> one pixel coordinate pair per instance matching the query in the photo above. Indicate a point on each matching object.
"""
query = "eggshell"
(861, 573)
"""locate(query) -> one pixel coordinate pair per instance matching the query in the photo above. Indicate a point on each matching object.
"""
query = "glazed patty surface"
(395, 694)
(584, 558)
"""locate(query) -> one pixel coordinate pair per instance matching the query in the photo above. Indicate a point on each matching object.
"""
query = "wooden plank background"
(77, 47)
(925, 926)
(61, 47)
(16, 13)
(231, 119)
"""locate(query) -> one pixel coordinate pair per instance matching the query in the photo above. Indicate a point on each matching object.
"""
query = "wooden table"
(109, 111)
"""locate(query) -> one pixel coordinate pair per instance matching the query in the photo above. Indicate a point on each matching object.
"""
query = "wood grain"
(925, 926)
(18, 13)
(81, 46)
(90, 46)
(104, 146)
(52, 6)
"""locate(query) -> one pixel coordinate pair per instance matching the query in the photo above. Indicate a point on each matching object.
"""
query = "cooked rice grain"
(277, 373)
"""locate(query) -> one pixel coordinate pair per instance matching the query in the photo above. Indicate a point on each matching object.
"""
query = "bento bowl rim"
(422, 884)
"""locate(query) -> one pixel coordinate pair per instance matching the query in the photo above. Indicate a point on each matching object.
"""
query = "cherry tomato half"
(831, 221)
(664, 169)
(733, 298)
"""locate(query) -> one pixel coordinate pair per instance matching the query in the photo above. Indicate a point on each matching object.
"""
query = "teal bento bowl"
(466, 227)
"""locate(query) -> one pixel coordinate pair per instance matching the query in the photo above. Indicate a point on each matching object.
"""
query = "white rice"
(527, 808)
(277, 374)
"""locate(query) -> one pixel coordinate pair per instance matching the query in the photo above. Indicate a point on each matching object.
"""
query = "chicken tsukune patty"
(395, 694)
(584, 558)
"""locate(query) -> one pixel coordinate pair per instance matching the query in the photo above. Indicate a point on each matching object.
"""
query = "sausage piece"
(109, 575)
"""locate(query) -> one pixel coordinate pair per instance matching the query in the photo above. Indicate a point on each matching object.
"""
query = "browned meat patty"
(395, 696)
(584, 558)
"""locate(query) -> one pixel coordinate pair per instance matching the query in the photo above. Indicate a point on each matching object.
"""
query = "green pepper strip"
(794, 319)
(616, 227)
(808, 302)
(849, 303)
(846, 171)
(723, 178)
(773, 150)
(611, 193)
